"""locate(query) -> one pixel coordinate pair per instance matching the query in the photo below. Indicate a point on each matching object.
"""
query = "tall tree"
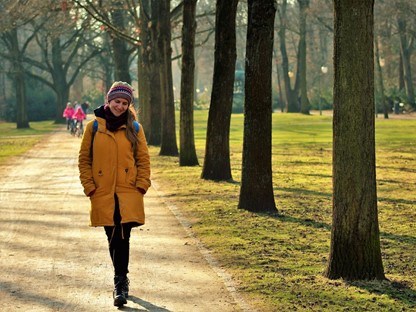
(291, 93)
(168, 145)
(154, 136)
(256, 192)
(355, 240)
(13, 15)
(406, 50)
(142, 66)
(187, 155)
(140, 29)
(121, 51)
(61, 43)
(304, 102)
(217, 149)
(18, 73)
(379, 78)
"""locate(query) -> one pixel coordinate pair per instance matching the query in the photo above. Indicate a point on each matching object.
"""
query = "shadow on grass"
(397, 201)
(305, 222)
(398, 290)
(401, 291)
(411, 240)
(302, 191)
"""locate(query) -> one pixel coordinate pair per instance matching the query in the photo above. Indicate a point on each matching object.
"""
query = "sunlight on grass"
(14, 142)
(278, 259)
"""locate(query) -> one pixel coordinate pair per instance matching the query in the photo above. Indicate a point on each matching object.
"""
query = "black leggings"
(118, 237)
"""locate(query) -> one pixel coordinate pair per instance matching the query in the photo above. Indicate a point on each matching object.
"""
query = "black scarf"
(114, 122)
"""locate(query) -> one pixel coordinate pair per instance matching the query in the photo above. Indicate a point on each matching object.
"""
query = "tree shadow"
(397, 290)
(145, 304)
(305, 222)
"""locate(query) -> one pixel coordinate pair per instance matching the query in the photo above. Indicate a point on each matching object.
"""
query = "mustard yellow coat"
(113, 170)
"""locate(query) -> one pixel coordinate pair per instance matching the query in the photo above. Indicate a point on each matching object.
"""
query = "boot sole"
(119, 301)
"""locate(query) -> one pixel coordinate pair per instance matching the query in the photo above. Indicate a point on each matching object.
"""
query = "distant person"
(68, 113)
(114, 166)
(79, 116)
(85, 107)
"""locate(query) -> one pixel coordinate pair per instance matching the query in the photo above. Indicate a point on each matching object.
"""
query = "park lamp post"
(324, 70)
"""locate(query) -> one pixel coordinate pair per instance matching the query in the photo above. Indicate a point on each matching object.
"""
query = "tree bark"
(155, 133)
(59, 81)
(256, 192)
(217, 149)
(291, 94)
(22, 120)
(168, 145)
(304, 102)
(380, 81)
(143, 68)
(187, 155)
(355, 240)
(120, 51)
(406, 52)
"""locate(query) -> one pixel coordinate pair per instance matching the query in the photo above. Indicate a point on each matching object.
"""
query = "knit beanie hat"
(120, 89)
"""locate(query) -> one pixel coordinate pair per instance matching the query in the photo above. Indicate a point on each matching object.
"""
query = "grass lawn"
(15, 142)
(278, 259)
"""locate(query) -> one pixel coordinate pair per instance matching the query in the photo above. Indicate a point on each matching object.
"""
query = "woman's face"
(118, 106)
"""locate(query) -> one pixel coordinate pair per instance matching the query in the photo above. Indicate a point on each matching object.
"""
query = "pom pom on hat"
(120, 89)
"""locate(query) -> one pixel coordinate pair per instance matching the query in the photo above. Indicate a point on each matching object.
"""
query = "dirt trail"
(52, 261)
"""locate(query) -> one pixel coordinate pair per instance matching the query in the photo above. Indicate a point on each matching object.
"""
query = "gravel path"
(51, 260)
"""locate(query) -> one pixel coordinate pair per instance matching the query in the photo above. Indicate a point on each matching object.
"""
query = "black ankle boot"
(118, 294)
(125, 287)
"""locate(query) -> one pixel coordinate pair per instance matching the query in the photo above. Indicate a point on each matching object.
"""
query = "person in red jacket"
(79, 116)
(68, 113)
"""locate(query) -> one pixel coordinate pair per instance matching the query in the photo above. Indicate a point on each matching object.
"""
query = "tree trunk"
(154, 133)
(120, 51)
(143, 68)
(406, 51)
(217, 149)
(22, 120)
(279, 84)
(187, 155)
(355, 240)
(401, 73)
(168, 145)
(59, 82)
(380, 81)
(291, 97)
(304, 102)
(256, 193)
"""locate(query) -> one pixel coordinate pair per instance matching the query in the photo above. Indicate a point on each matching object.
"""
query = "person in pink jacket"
(79, 116)
(68, 113)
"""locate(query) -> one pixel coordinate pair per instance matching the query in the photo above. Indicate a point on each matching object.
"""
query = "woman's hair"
(131, 132)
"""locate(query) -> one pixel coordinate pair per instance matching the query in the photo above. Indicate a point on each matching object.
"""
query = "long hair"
(131, 133)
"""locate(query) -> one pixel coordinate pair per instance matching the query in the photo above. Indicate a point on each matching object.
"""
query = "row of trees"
(302, 50)
(61, 40)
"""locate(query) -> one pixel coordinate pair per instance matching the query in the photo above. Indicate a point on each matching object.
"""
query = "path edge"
(206, 253)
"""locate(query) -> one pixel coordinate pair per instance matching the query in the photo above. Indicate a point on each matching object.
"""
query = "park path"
(51, 260)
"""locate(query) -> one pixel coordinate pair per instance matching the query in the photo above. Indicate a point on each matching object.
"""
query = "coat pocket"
(129, 174)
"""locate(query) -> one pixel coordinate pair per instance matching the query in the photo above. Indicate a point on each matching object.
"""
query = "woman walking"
(114, 166)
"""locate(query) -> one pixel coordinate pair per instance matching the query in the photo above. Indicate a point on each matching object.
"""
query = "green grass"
(14, 142)
(278, 259)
